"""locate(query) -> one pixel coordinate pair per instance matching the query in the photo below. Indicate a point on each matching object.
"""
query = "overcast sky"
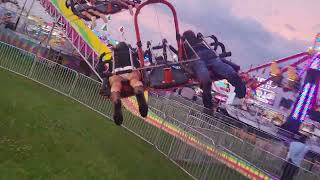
(256, 31)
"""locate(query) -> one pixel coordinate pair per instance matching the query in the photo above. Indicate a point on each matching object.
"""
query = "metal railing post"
(170, 148)
(32, 67)
(74, 84)
(159, 131)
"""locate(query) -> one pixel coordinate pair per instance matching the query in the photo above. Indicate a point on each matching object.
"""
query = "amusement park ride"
(171, 73)
(307, 98)
(90, 47)
(308, 94)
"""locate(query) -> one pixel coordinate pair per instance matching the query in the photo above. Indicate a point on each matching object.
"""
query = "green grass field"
(44, 135)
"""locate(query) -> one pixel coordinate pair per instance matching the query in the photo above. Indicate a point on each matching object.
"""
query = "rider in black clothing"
(209, 64)
(112, 84)
(89, 10)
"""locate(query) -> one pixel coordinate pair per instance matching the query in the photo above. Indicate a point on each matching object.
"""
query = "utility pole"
(28, 13)
(18, 20)
(50, 33)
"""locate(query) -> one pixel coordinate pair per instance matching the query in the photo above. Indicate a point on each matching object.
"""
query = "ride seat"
(160, 60)
(156, 77)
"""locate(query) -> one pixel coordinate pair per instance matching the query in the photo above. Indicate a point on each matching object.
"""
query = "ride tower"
(308, 94)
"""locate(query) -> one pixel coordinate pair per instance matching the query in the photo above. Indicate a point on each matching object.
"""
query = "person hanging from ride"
(91, 9)
(86, 10)
(9, 1)
(115, 6)
(113, 84)
(210, 62)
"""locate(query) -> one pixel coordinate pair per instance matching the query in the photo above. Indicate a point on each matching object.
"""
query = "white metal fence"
(197, 153)
(250, 146)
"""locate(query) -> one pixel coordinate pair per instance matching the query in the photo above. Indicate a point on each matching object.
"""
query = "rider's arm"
(135, 60)
(121, 4)
(104, 67)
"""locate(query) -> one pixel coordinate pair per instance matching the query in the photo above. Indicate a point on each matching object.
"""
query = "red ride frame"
(136, 26)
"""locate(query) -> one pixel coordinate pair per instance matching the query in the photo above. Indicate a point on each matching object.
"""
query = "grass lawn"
(44, 135)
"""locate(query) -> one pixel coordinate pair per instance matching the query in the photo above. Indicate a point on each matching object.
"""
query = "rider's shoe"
(117, 114)
(93, 22)
(130, 9)
(208, 111)
(104, 92)
(105, 19)
(239, 102)
(143, 105)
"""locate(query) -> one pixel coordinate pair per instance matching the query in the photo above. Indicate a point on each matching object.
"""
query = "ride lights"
(310, 50)
(275, 72)
(305, 67)
(292, 78)
(316, 62)
(309, 89)
(301, 101)
(316, 45)
(308, 92)
(292, 74)
(308, 103)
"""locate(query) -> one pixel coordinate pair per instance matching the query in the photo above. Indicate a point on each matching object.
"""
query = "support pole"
(28, 13)
(284, 70)
(19, 17)
(277, 61)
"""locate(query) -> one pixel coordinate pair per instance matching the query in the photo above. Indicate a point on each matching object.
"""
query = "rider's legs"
(227, 72)
(105, 89)
(126, 5)
(202, 74)
(137, 85)
(115, 83)
(221, 68)
(91, 17)
(97, 13)
(85, 10)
